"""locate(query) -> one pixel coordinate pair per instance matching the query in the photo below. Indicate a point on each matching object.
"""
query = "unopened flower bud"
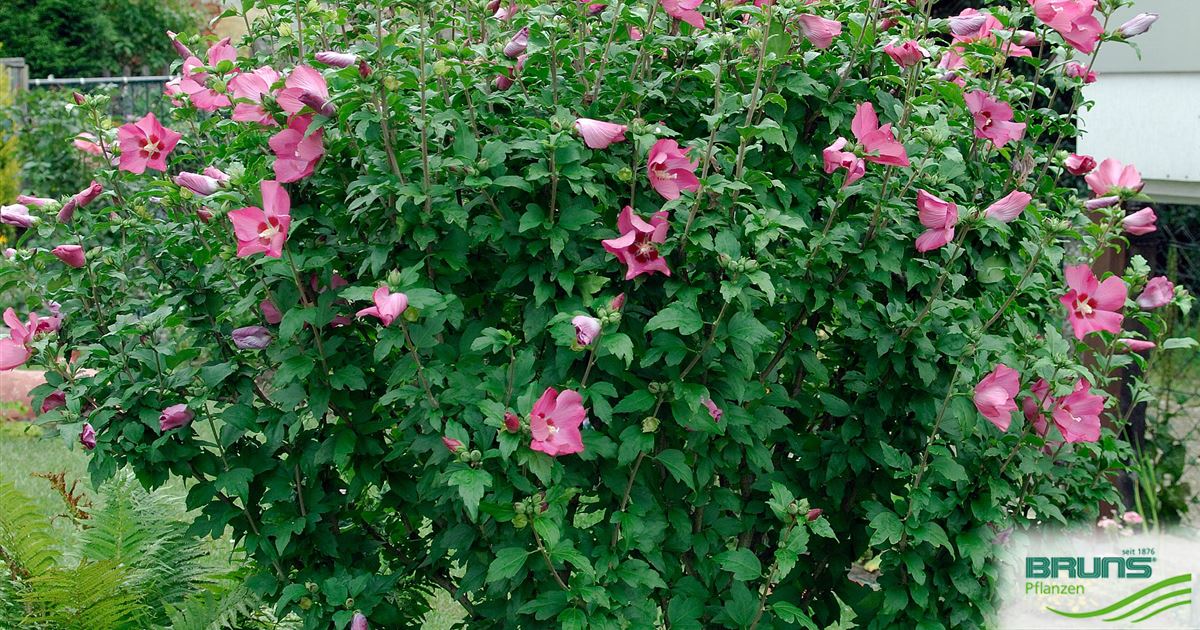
(813, 514)
(305, 603)
(79, 98)
(649, 424)
(364, 69)
(349, 603)
(512, 423)
(1137, 25)
(312, 587)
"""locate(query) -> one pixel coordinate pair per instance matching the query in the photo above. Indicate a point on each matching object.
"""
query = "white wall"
(1147, 111)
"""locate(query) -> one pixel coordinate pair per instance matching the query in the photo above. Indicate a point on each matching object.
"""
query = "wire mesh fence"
(132, 97)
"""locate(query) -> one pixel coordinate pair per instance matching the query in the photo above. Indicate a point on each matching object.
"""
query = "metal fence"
(132, 97)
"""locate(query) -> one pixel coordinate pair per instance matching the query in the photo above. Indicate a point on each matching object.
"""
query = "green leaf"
(677, 316)
(676, 464)
(471, 483)
(886, 526)
(507, 563)
(742, 563)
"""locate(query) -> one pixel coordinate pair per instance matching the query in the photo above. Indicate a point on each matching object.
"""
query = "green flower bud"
(305, 603)
(441, 68)
(284, 30)
(649, 424)
(225, 67)
(625, 174)
(520, 521)
(349, 602)
(312, 587)
(391, 83)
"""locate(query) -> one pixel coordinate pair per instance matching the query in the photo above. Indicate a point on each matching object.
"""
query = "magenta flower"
(906, 55)
(684, 10)
(16, 214)
(1102, 202)
(1140, 222)
(598, 134)
(1158, 292)
(637, 245)
(1079, 164)
(517, 44)
(1132, 518)
(194, 83)
(54, 400)
(993, 119)
(263, 230)
(174, 417)
(359, 622)
(79, 200)
(967, 24)
(36, 202)
(939, 217)
(670, 170)
(1076, 70)
(296, 154)
(15, 349)
(451, 444)
(586, 329)
(1137, 25)
(950, 63)
(1009, 207)
(179, 46)
(70, 254)
(251, 337)
(271, 313)
(879, 143)
(1091, 305)
(512, 423)
(1114, 178)
(836, 158)
(817, 30)
(1077, 415)
(304, 86)
(86, 143)
(555, 421)
(617, 303)
(336, 59)
(87, 437)
(222, 50)
(388, 306)
(714, 411)
(1073, 19)
(1135, 345)
(248, 90)
(995, 393)
(202, 185)
(145, 144)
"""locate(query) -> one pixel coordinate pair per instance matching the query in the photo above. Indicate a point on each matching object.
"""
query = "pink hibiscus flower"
(879, 143)
(1158, 293)
(296, 154)
(939, 217)
(1091, 305)
(304, 86)
(598, 134)
(388, 306)
(145, 144)
(993, 119)
(555, 421)
(1114, 178)
(1009, 207)
(1079, 164)
(670, 170)
(1140, 222)
(836, 158)
(1077, 415)
(248, 91)
(263, 230)
(637, 245)
(684, 10)
(995, 393)
(817, 30)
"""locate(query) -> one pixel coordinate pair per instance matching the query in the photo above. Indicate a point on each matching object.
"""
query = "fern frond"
(92, 595)
(217, 607)
(26, 547)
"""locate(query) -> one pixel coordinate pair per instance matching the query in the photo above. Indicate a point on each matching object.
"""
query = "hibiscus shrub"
(625, 315)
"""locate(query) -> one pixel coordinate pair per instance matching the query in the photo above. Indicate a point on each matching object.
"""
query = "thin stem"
(549, 563)
(427, 187)
(412, 349)
(754, 96)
